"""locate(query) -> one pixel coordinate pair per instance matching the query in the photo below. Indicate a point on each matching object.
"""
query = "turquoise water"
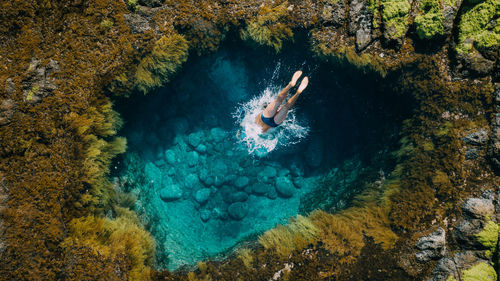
(202, 185)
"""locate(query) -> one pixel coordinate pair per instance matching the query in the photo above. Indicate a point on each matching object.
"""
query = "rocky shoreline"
(61, 63)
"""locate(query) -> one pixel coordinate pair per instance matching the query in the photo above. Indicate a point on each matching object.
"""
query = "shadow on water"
(197, 178)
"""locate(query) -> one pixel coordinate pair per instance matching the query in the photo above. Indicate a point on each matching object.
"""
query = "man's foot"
(295, 77)
(303, 84)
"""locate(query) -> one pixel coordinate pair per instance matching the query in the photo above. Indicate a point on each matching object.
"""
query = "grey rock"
(205, 215)
(170, 157)
(201, 148)
(10, 87)
(239, 196)
(194, 139)
(272, 194)
(241, 182)
(7, 109)
(238, 210)
(40, 82)
(471, 153)
(192, 158)
(192, 181)
(432, 246)
(443, 269)
(151, 3)
(285, 187)
(267, 173)
(170, 193)
(137, 22)
(479, 137)
(465, 233)
(261, 188)
(334, 13)
(478, 207)
(202, 195)
(217, 134)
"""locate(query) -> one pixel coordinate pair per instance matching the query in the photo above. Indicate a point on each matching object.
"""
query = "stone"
(238, 210)
(272, 194)
(267, 174)
(192, 158)
(261, 188)
(284, 172)
(239, 196)
(170, 157)
(285, 187)
(465, 233)
(194, 139)
(479, 137)
(219, 168)
(241, 182)
(205, 215)
(432, 246)
(217, 134)
(201, 148)
(7, 108)
(471, 153)
(301, 182)
(137, 22)
(478, 207)
(202, 195)
(192, 181)
(170, 193)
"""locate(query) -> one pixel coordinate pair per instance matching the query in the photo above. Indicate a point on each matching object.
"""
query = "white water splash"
(289, 132)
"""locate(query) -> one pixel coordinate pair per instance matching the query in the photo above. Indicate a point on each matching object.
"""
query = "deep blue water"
(199, 190)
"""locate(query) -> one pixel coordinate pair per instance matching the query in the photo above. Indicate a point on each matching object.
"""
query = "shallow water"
(201, 186)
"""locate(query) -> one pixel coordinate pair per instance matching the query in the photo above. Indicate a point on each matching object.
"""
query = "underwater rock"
(205, 215)
(137, 23)
(217, 134)
(314, 153)
(153, 174)
(301, 182)
(219, 168)
(192, 158)
(238, 210)
(272, 194)
(267, 174)
(202, 195)
(479, 137)
(194, 139)
(241, 182)
(261, 188)
(170, 193)
(170, 157)
(201, 148)
(239, 196)
(192, 181)
(478, 207)
(285, 187)
(40, 82)
(432, 246)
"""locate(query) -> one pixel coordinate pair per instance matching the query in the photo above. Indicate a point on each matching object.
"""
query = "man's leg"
(283, 112)
(272, 108)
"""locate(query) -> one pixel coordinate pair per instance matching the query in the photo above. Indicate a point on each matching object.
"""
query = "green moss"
(488, 237)
(429, 25)
(476, 26)
(132, 4)
(479, 272)
(168, 54)
(395, 16)
(106, 24)
(31, 93)
(268, 29)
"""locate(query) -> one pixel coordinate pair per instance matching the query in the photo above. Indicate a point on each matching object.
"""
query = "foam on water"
(289, 132)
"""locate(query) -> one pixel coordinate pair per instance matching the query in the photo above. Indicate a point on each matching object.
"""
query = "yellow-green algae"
(478, 272)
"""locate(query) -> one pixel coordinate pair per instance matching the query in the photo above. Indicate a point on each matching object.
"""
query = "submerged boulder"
(241, 182)
(261, 188)
(285, 187)
(431, 246)
(239, 196)
(201, 196)
(194, 139)
(217, 134)
(238, 210)
(170, 193)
